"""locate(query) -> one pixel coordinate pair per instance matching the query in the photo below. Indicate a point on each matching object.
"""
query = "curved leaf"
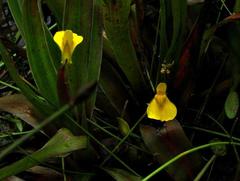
(62, 143)
(19, 106)
(85, 19)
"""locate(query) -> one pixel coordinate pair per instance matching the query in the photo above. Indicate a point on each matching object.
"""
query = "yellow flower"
(161, 108)
(67, 42)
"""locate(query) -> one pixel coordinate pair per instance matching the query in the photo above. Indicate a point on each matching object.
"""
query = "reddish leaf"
(235, 16)
(167, 142)
(19, 106)
(183, 68)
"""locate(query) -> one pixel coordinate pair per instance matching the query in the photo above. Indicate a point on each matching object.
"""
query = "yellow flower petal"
(58, 38)
(161, 108)
(67, 42)
(76, 40)
(164, 112)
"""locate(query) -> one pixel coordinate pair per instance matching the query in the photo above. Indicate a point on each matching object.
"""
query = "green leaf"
(57, 8)
(85, 19)
(123, 126)
(237, 6)
(95, 54)
(116, 24)
(172, 17)
(30, 94)
(18, 124)
(39, 54)
(178, 9)
(62, 143)
(16, 11)
(121, 175)
(113, 98)
(231, 104)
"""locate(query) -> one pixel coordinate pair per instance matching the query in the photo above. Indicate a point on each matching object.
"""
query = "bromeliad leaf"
(116, 25)
(85, 18)
(38, 51)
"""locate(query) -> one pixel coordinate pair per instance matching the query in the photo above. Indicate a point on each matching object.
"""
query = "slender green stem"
(217, 123)
(234, 147)
(213, 132)
(227, 133)
(165, 165)
(116, 137)
(53, 26)
(103, 146)
(115, 128)
(3, 135)
(106, 123)
(9, 85)
(201, 173)
(63, 169)
(210, 171)
(224, 5)
(118, 145)
(124, 109)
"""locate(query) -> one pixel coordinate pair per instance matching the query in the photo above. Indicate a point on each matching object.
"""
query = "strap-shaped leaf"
(95, 53)
(39, 56)
(178, 9)
(16, 11)
(116, 24)
(85, 19)
(170, 51)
